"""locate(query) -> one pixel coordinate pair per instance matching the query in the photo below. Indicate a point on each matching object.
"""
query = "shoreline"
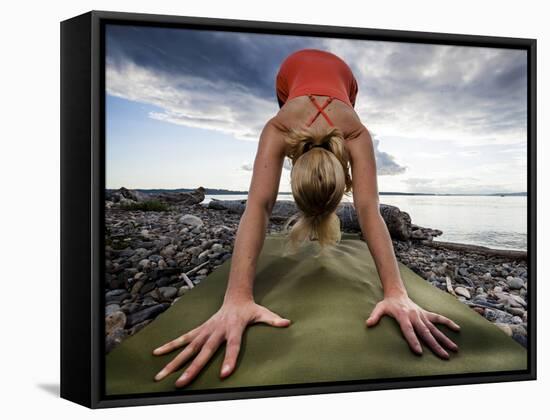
(222, 191)
(511, 253)
(155, 257)
(481, 249)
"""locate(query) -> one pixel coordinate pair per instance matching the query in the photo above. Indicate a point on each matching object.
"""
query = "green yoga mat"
(327, 298)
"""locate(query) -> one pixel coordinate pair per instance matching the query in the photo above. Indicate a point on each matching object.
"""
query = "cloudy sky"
(186, 107)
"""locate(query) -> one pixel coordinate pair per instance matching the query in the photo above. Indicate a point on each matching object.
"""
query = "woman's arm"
(238, 309)
(262, 194)
(367, 206)
(412, 319)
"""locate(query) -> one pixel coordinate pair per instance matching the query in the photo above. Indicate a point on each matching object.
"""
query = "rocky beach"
(158, 246)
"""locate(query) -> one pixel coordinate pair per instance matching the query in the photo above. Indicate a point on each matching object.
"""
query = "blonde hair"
(319, 178)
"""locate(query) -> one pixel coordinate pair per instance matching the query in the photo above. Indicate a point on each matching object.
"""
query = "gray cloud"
(247, 167)
(385, 163)
(470, 95)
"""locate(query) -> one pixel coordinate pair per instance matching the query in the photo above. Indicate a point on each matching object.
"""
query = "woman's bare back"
(298, 111)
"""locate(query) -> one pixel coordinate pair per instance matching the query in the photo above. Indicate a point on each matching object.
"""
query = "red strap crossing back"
(320, 110)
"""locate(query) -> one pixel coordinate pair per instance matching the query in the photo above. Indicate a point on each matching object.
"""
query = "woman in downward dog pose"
(318, 129)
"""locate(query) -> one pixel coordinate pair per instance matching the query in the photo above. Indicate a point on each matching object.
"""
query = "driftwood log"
(506, 253)
(185, 198)
(172, 197)
(398, 222)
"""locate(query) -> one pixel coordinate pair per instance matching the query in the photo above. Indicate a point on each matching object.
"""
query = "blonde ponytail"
(319, 178)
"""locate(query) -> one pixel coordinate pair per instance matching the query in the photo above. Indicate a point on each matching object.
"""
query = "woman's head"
(319, 179)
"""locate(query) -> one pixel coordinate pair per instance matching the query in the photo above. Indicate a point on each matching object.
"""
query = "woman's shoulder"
(297, 111)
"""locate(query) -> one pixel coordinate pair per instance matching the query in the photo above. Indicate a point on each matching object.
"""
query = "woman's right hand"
(227, 324)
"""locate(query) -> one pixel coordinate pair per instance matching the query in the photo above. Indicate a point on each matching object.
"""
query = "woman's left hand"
(414, 320)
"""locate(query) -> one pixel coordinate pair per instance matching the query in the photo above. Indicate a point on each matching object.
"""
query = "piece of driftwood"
(172, 197)
(449, 286)
(197, 268)
(398, 222)
(186, 198)
(187, 280)
(506, 253)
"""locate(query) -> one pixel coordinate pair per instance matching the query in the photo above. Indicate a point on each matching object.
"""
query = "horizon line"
(235, 192)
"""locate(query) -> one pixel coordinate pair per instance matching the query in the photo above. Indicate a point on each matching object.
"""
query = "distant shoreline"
(214, 191)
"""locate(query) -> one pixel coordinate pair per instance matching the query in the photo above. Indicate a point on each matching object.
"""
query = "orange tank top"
(311, 71)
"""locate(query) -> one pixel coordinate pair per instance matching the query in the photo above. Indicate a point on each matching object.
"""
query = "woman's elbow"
(368, 209)
(265, 207)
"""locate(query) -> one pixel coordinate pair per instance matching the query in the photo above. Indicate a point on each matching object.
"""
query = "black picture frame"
(82, 62)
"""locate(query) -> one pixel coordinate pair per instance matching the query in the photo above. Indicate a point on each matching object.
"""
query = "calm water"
(496, 222)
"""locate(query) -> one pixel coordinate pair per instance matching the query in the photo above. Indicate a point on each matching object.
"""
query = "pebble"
(461, 291)
(217, 247)
(515, 282)
(115, 321)
(191, 220)
(147, 288)
(203, 254)
(144, 264)
(145, 314)
(117, 298)
(111, 308)
(131, 307)
(115, 293)
(136, 287)
(517, 320)
(168, 252)
(168, 292)
(148, 301)
(516, 311)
